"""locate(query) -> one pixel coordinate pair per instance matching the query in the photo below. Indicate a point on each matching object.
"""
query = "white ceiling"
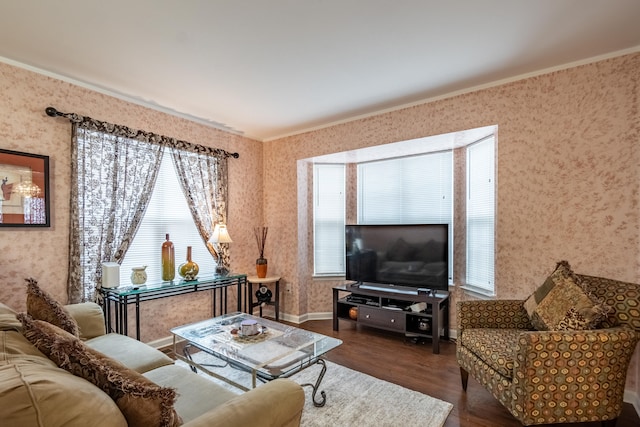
(270, 68)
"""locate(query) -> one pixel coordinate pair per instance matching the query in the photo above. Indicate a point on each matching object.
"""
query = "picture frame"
(24, 195)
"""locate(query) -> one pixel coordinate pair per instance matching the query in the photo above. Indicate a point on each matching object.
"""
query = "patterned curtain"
(112, 180)
(114, 169)
(204, 183)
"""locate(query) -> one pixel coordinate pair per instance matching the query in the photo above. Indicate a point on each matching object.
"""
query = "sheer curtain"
(114, 169)
(204, 183)
(112, 179)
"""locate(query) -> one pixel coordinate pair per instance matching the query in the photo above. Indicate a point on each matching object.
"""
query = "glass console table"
(119, 298)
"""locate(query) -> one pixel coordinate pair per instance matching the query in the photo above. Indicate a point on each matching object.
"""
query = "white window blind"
(408, 190)
(167, 212)
(328, 219)
(480, 215)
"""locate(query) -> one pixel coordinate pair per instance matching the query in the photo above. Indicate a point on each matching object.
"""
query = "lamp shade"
(220, 234)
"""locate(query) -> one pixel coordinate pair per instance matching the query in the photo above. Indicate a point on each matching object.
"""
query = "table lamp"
(220, 235)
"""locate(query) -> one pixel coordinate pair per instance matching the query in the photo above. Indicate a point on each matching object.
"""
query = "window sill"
(478, 292)
(328, 278)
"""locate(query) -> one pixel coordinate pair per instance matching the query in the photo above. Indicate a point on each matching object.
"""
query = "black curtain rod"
(52, 112)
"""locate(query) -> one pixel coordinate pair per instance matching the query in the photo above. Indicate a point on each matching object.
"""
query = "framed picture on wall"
(24, 199)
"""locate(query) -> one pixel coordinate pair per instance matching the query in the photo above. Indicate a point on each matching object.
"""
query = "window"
(167, 212)
(328, 219)
(114, 175)
(415, 189)
(408, 190)
(480, 215)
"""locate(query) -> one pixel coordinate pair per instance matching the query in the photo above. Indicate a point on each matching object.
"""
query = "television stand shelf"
(385, 308)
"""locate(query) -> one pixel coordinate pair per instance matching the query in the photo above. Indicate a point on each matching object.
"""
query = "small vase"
(261, 267)
(189, 270)
(168, 261)
(138, 275)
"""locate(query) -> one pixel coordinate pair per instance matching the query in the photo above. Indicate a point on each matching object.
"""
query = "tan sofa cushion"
(41, 306)
(276, 403)
(37, 395)
(8, 321)
(130, 352)
(15, 347)
(561, 303)
(196, 394)
(142, 402)
(89, 317)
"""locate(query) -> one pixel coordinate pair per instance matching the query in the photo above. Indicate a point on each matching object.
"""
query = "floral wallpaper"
(568, 183)
(43, 253)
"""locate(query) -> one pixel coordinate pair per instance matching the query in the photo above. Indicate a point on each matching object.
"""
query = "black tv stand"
(386, 307)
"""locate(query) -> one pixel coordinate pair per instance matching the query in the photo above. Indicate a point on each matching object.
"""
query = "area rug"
(354, 399)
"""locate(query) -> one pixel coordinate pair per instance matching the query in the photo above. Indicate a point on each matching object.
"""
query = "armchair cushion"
(561, 303)
(495, 347)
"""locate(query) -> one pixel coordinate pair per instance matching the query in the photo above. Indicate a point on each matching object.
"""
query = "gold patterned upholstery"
(546, 377)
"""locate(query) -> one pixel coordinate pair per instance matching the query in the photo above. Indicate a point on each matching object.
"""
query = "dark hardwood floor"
(392, 358)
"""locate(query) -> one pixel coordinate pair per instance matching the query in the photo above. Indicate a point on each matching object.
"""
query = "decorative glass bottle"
(189, 270)
(168, 260)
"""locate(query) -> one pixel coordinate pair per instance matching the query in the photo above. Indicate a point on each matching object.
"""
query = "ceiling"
(273, 68)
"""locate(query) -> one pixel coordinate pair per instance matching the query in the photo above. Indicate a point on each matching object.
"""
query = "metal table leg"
(315, 386)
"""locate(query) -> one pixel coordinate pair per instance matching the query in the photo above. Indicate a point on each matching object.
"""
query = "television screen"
(414, 255)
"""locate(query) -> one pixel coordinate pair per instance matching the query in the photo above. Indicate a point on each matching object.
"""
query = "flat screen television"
(405, 255)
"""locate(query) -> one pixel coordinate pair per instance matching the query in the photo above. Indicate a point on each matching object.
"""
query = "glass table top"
(204, 279)
(275, 350)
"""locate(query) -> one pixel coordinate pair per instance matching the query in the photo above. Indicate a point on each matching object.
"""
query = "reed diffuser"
(261, 240)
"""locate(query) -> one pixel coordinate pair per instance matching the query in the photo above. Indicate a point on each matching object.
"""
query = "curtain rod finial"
(51, 112)
(235, 155)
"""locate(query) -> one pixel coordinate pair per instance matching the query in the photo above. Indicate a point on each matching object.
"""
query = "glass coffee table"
(275, 351)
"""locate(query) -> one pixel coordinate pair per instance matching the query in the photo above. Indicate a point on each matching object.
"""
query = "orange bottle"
(168, 260)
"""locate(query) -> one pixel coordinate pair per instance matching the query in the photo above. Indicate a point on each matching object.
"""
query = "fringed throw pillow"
(42, 306)
(142, 402)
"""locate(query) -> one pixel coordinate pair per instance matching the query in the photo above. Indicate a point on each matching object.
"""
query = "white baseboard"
(320, 316)
(305, 317)
(162, 342)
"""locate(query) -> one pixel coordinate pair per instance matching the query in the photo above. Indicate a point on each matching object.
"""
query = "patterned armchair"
(546, 377)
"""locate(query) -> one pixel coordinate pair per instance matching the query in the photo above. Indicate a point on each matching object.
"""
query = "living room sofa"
(34, 391)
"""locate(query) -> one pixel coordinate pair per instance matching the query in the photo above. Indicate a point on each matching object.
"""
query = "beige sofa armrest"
(495, 314)
(90, 319)
(277, 403)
